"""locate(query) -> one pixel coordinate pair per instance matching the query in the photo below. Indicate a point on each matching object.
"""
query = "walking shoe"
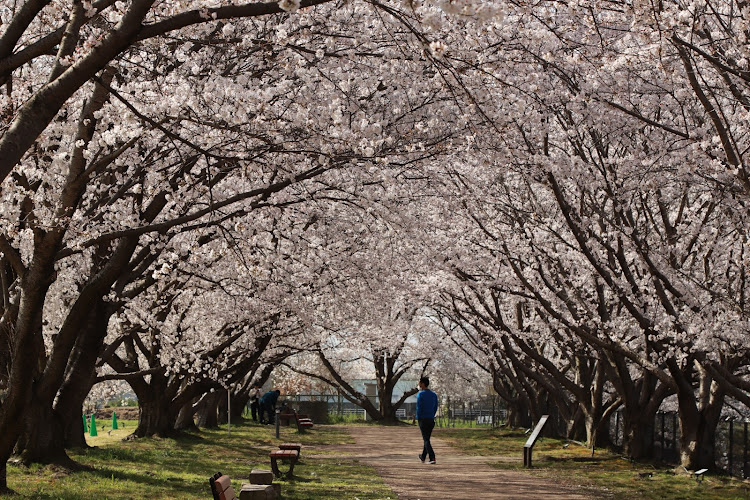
(420, 458)
(432, 462)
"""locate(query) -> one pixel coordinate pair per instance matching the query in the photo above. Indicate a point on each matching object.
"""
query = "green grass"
(347, 418)
(603, 475)
(180, 468)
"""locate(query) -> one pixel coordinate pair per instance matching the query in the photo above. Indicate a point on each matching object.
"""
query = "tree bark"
(155, 416)
(185, 418)
(699, 416)
(42, 440)
(81, 373)
(208, 411)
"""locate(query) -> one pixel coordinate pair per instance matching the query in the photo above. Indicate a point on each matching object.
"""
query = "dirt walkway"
(393, 452)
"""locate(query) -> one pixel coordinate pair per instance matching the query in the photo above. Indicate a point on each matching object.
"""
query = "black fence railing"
(487, 411)
(731, 442)
(662, 437)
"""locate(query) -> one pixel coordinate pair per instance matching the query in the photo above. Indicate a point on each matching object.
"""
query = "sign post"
(532, 440)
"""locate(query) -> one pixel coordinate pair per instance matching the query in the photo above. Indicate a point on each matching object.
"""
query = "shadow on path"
(393, 452)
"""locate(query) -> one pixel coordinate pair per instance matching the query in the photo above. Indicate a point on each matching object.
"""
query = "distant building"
(369, 387)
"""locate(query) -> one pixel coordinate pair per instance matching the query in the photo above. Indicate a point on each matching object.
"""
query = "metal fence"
(732, 447)
(481, 412)
(662, 436)
(486, 411)
(731, 442)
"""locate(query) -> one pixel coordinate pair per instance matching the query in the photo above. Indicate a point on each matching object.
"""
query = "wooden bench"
(303, 422)
(292, 446)
(221, 488)
(290, 456)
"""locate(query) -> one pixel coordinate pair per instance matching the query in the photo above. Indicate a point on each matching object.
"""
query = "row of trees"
(600, 241)
(187, 191)
(194, 191)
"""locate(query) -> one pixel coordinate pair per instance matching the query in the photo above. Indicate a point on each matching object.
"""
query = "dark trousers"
(267, 414)
(425, 426)
(254, 405)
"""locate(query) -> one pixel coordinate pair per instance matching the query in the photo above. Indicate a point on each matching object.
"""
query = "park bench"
(285, 418)
(303, 422)
(290, 456)
(699, 474)
(292, 446)
(221, 488)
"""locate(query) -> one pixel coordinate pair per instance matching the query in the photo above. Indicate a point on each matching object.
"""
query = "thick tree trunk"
(239, 403)
(576, 426)
(519, 414)
(221, 408)
(637, 427)
(42, 439)
(698, 427)
(70, 408)
(185, 418)
(154, 418)
(387, 409)
(208, 411)
(81, 374)
(27, 355)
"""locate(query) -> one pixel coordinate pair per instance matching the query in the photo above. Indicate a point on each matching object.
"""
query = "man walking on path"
(427, 405)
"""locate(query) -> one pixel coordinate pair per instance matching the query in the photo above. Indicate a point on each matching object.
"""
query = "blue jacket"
(269, 398)
(427, 404)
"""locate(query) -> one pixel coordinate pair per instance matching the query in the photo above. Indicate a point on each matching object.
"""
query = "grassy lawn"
(605, 474)
(179, 468)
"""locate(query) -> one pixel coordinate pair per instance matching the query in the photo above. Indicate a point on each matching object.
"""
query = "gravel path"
(393, 452)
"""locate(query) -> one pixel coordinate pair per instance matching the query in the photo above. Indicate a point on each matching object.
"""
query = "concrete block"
(277, 489)
(257, 492)
(261, 476)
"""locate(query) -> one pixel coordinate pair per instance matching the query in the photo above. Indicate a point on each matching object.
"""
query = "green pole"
(85, 425)
(93, 427)
(114, 420)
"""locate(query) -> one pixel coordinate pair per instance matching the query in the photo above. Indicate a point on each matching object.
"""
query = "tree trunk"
(27, 355)
(42, 439)
(207, 411)
(81, 373)
(239, 403)
(221, 408)
(387, 410)
(518, 413)
(70, 408)
(185, 418)
(637, 427)
(698, 424)
(155, 415)
(154, 418)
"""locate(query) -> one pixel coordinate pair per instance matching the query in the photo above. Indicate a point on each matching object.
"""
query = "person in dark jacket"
(268, 406)
(427, 405)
